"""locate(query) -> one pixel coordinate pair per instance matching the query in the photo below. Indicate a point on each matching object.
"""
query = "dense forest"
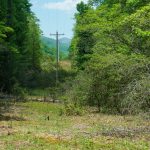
(20, 53)
(109, 54)
(110, 51)
(26, 60)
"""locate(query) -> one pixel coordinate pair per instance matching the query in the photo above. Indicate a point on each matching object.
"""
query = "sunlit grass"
(43, 128)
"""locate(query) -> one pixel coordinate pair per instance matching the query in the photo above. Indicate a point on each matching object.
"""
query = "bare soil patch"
(6, 130)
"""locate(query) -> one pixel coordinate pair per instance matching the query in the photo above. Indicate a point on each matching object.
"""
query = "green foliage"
(33, 43)
(80, 89)
(20, 51)
(113, 84)
(71, 109)
(84, 40)
(82, 8)
(133, 31)
(49, 47)
(111, 46)
(113, 74)
(19, 92)
(3, 30)
(137, 97)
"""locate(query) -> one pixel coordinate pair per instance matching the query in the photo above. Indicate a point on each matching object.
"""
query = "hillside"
(64, 44)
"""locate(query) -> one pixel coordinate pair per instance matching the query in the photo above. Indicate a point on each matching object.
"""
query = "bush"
(71, 109)
(20, 92)
(119, 78)
(115, 83)
(137, 98)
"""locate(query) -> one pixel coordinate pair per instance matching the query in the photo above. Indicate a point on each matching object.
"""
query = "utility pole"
(57, 54)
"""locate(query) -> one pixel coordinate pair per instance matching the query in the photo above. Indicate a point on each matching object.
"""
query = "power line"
(57, 54)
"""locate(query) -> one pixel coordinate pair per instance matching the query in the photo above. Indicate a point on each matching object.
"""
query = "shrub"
(115, 83)
(20, 92)
(70, 109)
(137, 98)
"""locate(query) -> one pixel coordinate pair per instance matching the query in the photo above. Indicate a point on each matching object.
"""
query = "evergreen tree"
(19, 42)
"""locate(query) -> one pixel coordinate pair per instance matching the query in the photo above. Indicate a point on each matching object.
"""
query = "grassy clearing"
(35, 125)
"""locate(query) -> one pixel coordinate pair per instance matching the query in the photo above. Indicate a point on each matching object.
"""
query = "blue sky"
(55, 15)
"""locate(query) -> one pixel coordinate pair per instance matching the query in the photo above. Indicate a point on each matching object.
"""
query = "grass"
(36, 125)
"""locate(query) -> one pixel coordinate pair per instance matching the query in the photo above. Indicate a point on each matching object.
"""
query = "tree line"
(110, 53)
(19, 44)
(26, 60)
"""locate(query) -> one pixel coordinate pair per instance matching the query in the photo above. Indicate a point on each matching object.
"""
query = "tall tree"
(17, 48)
(115, 36)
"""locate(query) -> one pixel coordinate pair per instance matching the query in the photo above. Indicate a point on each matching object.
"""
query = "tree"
(31, 61)
(20, 49)
(114, 38)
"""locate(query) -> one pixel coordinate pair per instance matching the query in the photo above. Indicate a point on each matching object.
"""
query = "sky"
(55, 15)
